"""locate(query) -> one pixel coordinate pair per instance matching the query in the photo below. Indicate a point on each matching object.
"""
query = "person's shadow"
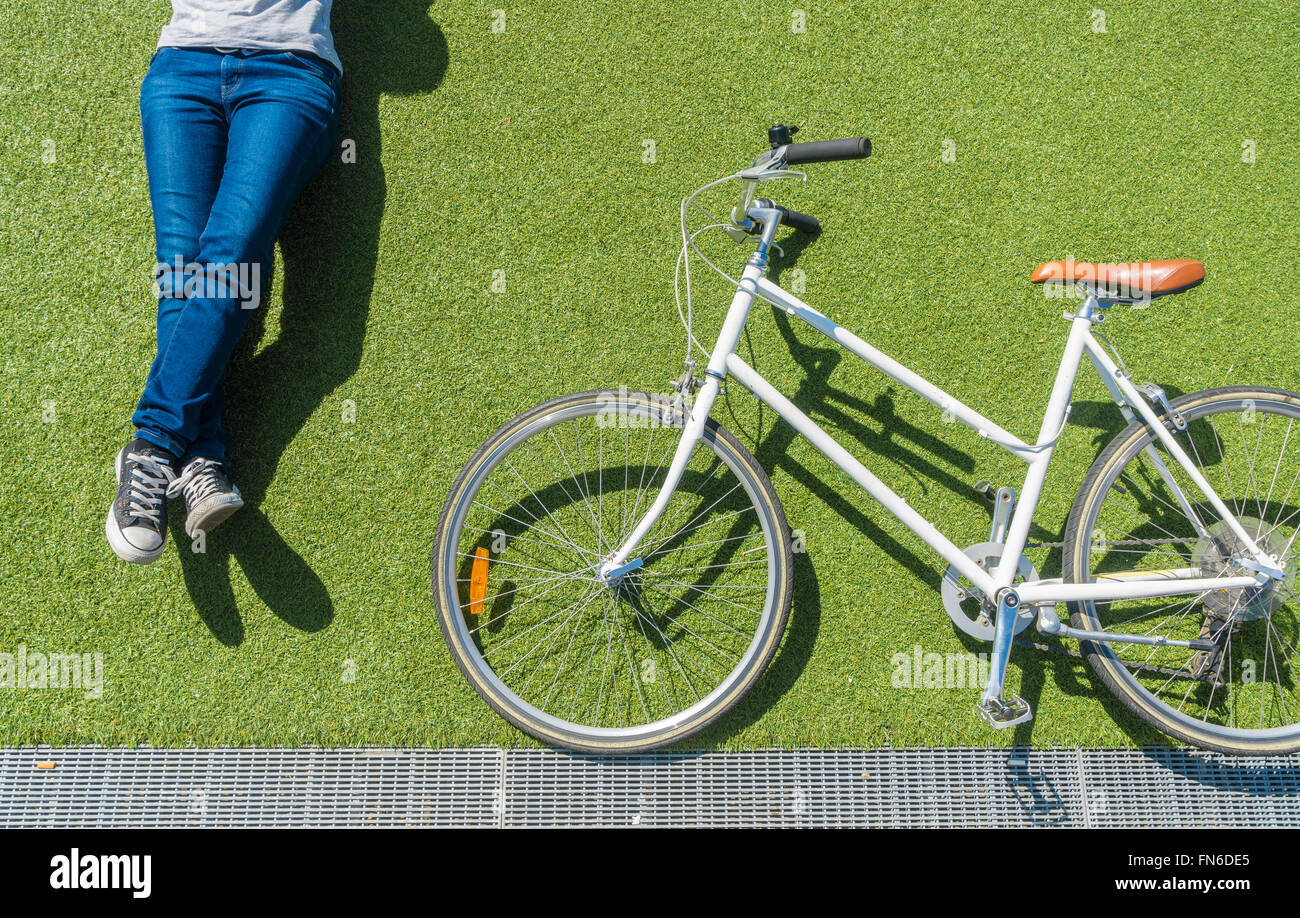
(329, 247)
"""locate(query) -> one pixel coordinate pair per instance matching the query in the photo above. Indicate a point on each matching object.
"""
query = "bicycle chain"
(1116, 542)
(1132, 667)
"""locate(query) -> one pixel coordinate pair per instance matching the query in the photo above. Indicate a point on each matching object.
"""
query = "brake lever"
(763, 173)
(741, 233)
(742, 229)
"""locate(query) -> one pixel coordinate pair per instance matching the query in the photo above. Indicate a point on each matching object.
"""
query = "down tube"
(924, 529)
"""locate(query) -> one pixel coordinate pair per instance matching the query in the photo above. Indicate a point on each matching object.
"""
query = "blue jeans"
(229, 142)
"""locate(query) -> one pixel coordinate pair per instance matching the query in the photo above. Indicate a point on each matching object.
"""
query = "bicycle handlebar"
(785, 153)
(825, 151)
(796, 220)
(792, 218)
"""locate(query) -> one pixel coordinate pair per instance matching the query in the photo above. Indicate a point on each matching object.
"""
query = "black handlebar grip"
(827, 151)
(798, 221)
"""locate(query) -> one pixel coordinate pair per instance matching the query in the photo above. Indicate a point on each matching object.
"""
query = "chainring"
(971, 611)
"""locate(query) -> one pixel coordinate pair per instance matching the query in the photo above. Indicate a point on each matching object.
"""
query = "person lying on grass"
(239, 109)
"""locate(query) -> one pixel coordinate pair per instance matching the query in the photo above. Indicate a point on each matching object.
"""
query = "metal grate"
(906, 787)
(1156, 787)
(1171, 788)
(94, 787)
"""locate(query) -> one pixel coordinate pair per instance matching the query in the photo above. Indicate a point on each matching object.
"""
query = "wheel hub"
(1214, 555)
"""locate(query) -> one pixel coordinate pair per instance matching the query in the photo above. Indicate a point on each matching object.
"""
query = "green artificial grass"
(386, 357)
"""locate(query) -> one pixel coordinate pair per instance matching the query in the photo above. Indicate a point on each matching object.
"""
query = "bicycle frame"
(754, 285)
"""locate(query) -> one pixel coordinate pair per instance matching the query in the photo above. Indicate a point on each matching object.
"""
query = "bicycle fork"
(620, 563)
(697, 415)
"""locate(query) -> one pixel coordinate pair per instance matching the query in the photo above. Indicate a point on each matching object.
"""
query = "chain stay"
(1132, 667)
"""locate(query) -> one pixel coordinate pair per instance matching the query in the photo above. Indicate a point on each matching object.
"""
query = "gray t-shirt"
(272, 25)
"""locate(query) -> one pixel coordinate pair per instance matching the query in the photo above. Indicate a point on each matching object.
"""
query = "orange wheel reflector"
(478, 581)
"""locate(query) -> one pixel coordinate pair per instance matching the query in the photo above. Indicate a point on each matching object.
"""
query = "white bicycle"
(612, 569)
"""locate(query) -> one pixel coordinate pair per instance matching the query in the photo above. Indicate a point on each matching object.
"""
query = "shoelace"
(198, 480)
(151, 478)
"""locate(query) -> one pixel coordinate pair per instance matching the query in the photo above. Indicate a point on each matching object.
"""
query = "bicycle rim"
(581, 663)
(1242, 695)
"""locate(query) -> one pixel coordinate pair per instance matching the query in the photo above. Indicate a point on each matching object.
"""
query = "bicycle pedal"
(1000, 713)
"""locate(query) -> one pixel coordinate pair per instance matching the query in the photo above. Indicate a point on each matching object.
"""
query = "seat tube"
(698, 412)
(1053, 419)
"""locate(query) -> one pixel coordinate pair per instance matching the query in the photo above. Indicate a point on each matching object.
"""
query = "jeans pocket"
(319, 66)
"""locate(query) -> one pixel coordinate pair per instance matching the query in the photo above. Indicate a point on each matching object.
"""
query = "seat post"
(1091, 303)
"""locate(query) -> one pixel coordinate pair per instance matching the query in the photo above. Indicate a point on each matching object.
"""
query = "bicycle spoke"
(1246, 681)
(624, 654)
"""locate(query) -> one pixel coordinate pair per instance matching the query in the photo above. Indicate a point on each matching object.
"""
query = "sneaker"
(137, 522)
(210, 496)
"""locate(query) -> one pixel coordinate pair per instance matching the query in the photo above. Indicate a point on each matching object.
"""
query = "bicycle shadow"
(1063, 669)
(889, 437)
(770, 444)
(329, 247)
(1252, 776)
(840, 409)
(1105, 418)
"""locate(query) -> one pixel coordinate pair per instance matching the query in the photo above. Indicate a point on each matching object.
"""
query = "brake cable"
(683, 264)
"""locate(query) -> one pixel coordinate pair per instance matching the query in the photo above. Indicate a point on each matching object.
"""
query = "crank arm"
(994, 708)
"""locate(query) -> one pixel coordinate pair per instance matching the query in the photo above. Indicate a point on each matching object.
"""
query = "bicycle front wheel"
(605, 667)
(1139, 511)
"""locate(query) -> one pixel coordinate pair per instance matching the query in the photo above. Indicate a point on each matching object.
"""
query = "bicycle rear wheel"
(1242, 697)
(587, 665)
